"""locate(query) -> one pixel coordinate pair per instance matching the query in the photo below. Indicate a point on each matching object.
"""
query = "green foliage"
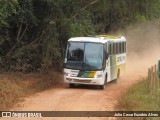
(7, 7)
(140, 18)
(34, 33)
(138, 98)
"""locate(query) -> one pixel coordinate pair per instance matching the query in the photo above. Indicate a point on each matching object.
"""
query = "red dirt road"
(81, 98)
(86, 98)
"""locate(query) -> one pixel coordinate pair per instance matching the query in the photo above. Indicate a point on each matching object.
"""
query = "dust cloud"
(143, 47)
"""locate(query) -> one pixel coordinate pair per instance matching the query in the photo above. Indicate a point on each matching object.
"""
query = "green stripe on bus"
(86, 74)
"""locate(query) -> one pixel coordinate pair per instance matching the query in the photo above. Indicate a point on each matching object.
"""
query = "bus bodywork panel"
(117, 64)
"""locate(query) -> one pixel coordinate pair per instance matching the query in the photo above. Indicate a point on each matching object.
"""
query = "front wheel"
(102, 87)
(105, 82)
(71, 85)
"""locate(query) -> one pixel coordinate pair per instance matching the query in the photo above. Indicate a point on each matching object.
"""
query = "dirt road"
(84, 98)
(81, 98)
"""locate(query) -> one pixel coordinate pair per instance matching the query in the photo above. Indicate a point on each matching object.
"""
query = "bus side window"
(119, 48)
(113, 48)
(116, 48)
(122, 47)
(125, 47)
(110, 49)
(106, 51)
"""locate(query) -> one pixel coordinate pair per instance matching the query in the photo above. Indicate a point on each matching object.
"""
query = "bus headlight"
(98, 76)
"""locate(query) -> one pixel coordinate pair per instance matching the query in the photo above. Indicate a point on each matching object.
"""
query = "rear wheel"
(71, 85)
(118, 74)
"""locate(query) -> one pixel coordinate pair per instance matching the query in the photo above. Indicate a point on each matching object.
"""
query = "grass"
(138, 98)
(15, 86)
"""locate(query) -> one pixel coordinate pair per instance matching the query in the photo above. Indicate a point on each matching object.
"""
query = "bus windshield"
(84, 56)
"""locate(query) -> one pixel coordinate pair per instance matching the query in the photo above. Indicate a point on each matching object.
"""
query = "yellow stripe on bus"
(92, 74)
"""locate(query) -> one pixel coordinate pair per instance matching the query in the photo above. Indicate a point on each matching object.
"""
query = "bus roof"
(99, 39)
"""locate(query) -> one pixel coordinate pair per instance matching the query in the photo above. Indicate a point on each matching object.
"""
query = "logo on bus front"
(87, 74)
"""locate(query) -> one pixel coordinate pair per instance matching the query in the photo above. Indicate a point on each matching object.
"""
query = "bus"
(94, 60)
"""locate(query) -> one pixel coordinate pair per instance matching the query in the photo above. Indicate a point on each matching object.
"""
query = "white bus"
(94, 60)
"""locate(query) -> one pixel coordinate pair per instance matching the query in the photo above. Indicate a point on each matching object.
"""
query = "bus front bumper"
(89, 81)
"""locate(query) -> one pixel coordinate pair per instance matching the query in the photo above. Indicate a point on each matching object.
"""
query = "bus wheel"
(71, 85)
(118, 74)
(105, 79)
(102, 87)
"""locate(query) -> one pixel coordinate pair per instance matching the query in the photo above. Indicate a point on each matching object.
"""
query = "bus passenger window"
(110, 49)
(123, 47)
(113, 48)
(119, 48)
(116, 48)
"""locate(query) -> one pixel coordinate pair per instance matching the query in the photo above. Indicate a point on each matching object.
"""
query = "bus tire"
(105, 82)
(118, 74)
(71, 85)
(102, 87)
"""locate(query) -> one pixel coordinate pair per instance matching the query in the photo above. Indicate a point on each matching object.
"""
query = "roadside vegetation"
(15, 86)
(34, 34)
(138, 98)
